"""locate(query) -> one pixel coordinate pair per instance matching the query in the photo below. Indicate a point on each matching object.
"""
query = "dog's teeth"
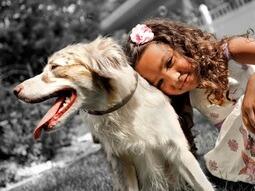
(67, 100)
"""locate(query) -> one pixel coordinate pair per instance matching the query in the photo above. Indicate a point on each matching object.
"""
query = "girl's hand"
(248, 105)
(242, 50)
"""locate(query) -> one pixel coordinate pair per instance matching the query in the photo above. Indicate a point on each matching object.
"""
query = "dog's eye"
(54, 66)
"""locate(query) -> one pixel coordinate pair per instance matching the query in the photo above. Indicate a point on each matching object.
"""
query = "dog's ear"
(105, 53)
(102, 82)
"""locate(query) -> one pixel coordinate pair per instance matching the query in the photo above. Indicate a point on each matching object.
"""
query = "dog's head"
(91, 76)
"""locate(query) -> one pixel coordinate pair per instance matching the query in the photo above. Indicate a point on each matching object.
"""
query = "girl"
(210, 75)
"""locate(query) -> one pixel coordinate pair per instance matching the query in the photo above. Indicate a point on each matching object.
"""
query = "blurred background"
(31, 30)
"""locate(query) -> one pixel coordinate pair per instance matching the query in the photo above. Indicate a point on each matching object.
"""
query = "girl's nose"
(176, 80)
(176, 77)
(173, 79)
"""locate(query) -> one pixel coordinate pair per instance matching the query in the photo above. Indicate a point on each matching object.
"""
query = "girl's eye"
(169, 63)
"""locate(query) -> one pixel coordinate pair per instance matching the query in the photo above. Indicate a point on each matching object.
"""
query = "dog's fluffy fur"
(143, 139)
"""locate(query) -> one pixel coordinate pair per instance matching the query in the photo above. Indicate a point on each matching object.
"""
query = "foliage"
(16, 131)
(8, 173)
(29, 32)
(32, 30)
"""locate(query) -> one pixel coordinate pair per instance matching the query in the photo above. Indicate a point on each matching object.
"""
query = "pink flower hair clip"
(141, 34)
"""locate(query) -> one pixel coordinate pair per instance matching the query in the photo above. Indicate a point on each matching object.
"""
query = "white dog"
(134, 121)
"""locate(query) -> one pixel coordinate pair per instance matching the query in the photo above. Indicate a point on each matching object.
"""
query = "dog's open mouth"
(64, 101)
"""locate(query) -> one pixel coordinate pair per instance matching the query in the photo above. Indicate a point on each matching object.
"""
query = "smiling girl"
(214, 76)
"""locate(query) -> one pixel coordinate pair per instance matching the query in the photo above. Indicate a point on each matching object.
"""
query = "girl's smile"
(167, 69)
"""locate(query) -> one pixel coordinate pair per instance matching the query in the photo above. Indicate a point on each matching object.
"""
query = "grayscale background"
(31, 30)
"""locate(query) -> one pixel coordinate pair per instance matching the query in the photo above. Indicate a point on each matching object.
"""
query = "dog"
(135, 122)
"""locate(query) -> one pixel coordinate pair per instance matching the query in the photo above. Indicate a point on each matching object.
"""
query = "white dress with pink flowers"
(233, 157)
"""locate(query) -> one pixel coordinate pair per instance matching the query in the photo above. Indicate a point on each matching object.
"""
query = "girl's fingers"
(245, 121)
(251, 117)
(249, 120)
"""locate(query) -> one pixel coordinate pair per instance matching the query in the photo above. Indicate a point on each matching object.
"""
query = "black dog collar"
(118, 105)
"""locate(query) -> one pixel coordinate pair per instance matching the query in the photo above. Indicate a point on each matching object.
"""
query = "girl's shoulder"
(214, 113)
(237, 81)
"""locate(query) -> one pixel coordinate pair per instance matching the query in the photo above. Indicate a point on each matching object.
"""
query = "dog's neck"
(122, 82)
(117, 105)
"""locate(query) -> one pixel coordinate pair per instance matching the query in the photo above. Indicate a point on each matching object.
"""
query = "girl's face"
(167, 70)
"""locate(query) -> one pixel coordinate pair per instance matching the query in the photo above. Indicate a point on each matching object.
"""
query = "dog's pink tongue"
(47, 117)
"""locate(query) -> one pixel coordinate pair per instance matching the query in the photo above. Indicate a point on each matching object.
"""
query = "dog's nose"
(17, 89)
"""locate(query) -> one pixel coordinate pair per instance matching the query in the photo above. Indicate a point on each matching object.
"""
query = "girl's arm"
(242, 50)
(248, 105)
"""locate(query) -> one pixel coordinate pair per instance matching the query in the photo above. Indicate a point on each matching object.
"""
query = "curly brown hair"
(202, 49)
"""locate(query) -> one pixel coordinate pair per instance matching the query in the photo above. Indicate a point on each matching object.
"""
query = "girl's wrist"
(251, 83)
(251, 78)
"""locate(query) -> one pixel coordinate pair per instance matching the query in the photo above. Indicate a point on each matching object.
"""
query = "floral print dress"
(233, 157)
